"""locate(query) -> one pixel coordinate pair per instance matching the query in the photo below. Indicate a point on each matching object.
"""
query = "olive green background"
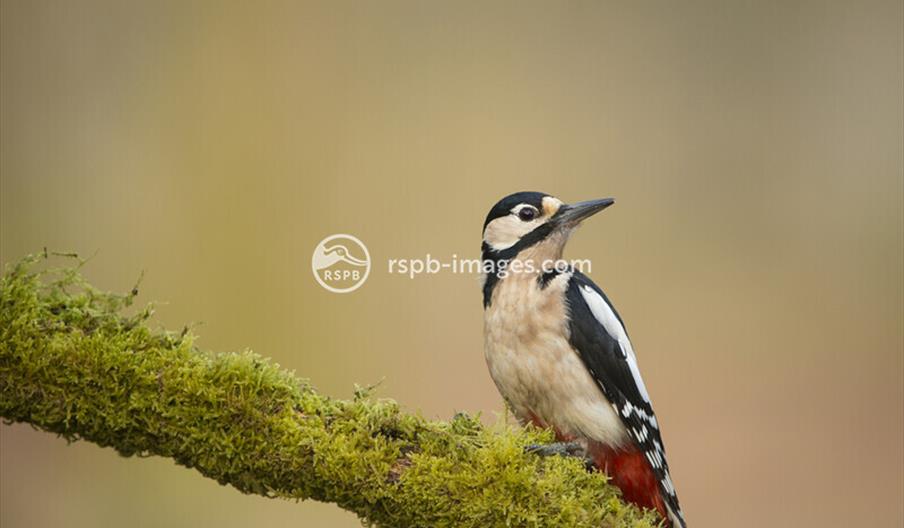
(755, 252)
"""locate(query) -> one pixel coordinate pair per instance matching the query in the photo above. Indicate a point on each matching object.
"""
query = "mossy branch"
(74, 361)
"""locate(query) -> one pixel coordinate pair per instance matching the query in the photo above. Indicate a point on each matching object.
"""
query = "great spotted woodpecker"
(559, 352)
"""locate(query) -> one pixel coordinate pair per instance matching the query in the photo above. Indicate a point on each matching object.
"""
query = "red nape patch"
(630, 471)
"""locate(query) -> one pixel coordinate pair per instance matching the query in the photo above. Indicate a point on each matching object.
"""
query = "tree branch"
(83, 364)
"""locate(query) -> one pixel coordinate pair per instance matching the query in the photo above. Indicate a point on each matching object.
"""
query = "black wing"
(600, 338)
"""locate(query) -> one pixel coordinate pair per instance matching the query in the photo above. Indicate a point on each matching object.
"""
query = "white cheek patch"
(505, 232)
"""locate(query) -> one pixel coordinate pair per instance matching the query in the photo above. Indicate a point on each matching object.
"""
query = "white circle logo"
(341, 263)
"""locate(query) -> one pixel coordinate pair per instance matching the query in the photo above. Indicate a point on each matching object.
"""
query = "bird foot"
(568, 449)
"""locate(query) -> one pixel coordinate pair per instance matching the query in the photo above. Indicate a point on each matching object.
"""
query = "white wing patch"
(640, 422)
(604, 314)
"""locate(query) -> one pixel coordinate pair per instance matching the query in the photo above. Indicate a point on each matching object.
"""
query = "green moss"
(85, 365)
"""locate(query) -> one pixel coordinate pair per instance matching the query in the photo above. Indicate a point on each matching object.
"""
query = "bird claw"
(556, 448)
(567, 449)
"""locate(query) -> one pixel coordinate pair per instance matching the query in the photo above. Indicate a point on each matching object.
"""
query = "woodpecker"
(559, 353)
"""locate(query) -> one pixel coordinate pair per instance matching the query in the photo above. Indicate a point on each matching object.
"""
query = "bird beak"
(570, 215)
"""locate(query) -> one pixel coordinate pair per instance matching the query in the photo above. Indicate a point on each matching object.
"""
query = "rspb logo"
(341, 263)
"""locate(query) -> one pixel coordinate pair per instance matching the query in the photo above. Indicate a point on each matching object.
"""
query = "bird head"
(533, 221)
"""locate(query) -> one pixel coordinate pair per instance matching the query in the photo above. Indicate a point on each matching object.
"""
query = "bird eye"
(527, 214)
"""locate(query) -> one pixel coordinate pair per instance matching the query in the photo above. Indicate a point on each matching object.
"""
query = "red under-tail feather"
(627, 468)
(630, 471)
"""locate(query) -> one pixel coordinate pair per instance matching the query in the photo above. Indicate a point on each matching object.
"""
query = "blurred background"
(755, 253)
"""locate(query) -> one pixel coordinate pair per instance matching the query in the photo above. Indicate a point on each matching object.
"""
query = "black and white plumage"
(599, 336)
(560, 354)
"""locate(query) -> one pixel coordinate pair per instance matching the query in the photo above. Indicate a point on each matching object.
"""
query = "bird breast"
(538, 373)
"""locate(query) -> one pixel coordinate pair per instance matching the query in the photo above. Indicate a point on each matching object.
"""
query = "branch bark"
(84, 364)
